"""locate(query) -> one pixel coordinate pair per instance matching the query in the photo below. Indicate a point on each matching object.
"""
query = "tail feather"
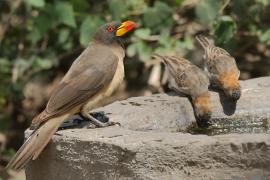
(45, 140)
(171, 62)
(25, 158)
(163, 59)
(204, 41)
(34, 145)
(157, 56)
(15, 162)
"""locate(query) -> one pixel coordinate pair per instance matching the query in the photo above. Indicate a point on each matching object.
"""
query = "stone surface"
(151, 143)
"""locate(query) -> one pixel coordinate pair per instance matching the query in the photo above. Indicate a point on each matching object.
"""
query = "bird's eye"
(110, 29)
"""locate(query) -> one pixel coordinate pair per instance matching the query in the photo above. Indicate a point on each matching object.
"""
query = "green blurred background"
(39, 39)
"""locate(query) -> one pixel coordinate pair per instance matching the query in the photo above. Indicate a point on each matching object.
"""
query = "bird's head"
(234, 93)
(113, 32)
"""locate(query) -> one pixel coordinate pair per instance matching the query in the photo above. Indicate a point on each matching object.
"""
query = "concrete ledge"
(151, 143)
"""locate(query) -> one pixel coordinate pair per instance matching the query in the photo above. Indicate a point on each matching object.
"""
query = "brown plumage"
(222, 68)
(188, 79)
(94, 75)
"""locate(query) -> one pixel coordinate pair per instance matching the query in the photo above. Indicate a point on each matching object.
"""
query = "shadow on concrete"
(228, 105)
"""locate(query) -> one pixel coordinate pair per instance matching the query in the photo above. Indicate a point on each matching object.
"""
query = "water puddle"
(228, 126)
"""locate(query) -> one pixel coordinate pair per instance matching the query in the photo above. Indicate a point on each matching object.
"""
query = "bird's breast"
(108, 90)
(117, 78)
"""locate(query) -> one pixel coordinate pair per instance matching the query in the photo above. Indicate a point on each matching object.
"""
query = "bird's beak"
(125, 27)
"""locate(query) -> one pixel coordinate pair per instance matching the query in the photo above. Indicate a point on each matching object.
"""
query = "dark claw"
(110, 123)
(101, 116)
(80, 121)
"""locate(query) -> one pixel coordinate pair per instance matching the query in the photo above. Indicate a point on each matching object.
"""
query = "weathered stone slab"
(151, 144)
(116, 153)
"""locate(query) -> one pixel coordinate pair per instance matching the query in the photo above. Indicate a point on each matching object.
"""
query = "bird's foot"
(100, 115)
(98, 119)
(109, 123)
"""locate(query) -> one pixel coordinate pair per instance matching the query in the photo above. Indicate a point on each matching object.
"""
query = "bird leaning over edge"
(222, 68)
(186, 78)
(94, 75)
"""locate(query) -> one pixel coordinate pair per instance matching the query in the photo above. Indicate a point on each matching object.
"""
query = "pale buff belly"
(108, 90)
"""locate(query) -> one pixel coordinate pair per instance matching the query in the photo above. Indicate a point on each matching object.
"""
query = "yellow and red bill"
(125, 27)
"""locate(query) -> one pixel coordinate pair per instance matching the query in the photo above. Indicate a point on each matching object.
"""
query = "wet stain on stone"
(225, 126)
(234, 147)
(115, 136)
(134, 104)
(149, 100)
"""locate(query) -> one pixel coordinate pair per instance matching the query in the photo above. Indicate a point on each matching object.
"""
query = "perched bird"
(186, 78)
(94, 75)
(222, 68)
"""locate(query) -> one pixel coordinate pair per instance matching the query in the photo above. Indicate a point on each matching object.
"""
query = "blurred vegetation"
(39, 40)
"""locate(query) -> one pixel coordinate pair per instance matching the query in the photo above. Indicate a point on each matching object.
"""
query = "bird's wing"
(177, 67)
(222, 64)
(193, 81)
(177, 83)
(83, 80)
(214, 52)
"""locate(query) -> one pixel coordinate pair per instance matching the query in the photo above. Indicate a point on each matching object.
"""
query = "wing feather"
(90, 72)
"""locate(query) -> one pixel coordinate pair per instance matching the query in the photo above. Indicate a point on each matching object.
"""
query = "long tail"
(204, 41)
(34, 145)
(157, 56)
(202, 107)
(170, 61)
(163, 59)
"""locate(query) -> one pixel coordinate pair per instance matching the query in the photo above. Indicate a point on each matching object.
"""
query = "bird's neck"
(119, 51)
(115, 47)
(106, 43)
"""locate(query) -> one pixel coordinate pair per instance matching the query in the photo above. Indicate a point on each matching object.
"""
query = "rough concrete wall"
(149, 144)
